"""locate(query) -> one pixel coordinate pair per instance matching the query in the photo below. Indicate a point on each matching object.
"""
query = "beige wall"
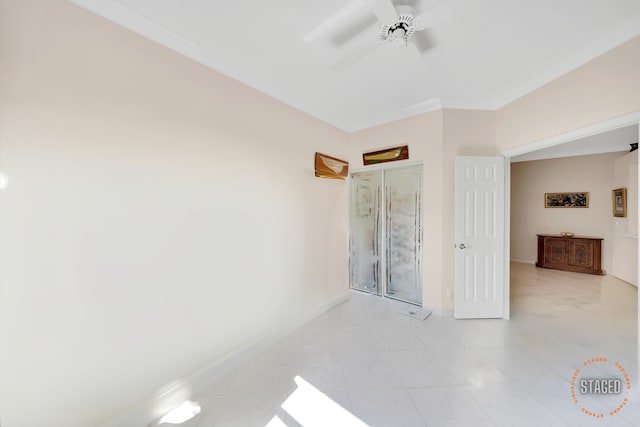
(158, 216)
(602, 89)
(466, 133)
(434, 139)
(423, 134)
(529, 182)
(625, 230)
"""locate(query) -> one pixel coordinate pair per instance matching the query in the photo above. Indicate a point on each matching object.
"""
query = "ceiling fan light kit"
(399, 32)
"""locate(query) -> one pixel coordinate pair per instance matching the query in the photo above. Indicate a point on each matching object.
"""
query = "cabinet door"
(555, 252)
(581, 254)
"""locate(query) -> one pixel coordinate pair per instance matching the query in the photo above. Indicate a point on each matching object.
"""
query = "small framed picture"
(386, 155)
(566, 200)
(330, 167)
(619, 199)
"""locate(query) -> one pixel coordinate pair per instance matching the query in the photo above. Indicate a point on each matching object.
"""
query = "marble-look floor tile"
(365, 359)
(469, 366)
(369, 371)
(555, 396)
(517, 364)
(420, 368)
(340, 398)
(510, 405)
(449, 406)
(385, 408)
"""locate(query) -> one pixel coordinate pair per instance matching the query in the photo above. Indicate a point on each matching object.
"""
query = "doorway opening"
(562, 146)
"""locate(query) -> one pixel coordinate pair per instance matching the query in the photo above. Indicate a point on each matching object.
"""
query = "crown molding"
(115, 12)
(414, 110)
(125, 17)
(463, 103)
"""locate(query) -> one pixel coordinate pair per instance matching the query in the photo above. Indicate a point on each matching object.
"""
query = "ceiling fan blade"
(363, 44)
(354, 56)
(384, 10)
(335, 21)
(444, 11)
(341, 37)
(422, 41)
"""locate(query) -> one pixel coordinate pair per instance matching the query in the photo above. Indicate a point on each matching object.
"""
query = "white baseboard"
(147, 411)
(624, 280)
(523, 261)
(444, 312)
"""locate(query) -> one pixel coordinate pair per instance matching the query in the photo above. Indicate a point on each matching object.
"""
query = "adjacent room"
(295, 214)
(605, 164)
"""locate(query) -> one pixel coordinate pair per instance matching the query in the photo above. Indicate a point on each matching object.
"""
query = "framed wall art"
(387, 155)
(566, 200)
(330, 167)
(619, 200)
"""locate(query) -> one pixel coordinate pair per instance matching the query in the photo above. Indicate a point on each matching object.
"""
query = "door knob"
(461, 246)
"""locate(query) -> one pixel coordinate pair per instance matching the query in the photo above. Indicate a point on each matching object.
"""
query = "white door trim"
(385, 166)
(594, 129)
(507, 239)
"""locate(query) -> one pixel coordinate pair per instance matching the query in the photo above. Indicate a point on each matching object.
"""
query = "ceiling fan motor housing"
(400, 30)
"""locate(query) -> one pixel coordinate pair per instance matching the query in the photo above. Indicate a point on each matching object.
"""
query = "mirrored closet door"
(364, 260)
(386, 233)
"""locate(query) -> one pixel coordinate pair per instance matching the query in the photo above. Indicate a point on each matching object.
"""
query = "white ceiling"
(485, 56)
(606, 142)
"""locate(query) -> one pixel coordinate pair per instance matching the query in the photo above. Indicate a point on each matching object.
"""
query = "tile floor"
(362, 363)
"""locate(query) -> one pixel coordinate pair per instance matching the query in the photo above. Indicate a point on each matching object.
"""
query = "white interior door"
(479, 237)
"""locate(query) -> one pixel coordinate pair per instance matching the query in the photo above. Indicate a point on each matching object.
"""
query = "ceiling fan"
(397, 25)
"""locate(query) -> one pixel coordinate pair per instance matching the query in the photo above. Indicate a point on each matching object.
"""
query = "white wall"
(529, 182)
(625, 230)
(158, 216)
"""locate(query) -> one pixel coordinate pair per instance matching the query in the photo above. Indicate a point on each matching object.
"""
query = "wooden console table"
(578, 254)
